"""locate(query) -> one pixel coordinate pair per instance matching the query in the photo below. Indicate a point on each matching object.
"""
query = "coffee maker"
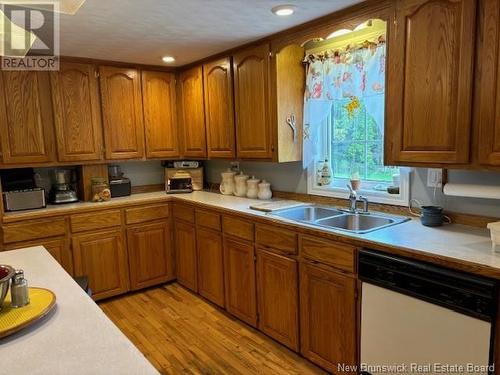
(62, 190)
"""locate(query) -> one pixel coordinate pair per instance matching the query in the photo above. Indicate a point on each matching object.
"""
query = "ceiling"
(142, 31)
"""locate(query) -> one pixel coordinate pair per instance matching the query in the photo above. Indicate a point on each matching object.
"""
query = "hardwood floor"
(181, 333)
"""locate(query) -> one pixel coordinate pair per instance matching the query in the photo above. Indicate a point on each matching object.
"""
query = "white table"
(76, 338)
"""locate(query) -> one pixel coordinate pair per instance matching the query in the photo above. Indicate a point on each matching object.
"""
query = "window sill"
(374, 196)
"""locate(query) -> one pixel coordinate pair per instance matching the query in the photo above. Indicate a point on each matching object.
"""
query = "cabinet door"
(431, 56)
(26, 118)
(219, 111)
(327, 317)
(210, 265)
(150, 255)
(239, 271)
(488, 87)
(160, 118)
(252, 103)
(277, 291)
(102, 257)
(185, 255)
(192, 114)
(77, 112)
(59, 248)
(122, 113)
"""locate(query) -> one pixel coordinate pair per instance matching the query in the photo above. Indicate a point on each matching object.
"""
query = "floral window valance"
(356, 73)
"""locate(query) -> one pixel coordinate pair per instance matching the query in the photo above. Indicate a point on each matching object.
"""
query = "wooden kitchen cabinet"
(239, 278)
(185, 255)
(277, 291)
(268, 91)
(150, 252)
(219, 108)
(429, 88)
(122, 113)
(327, 317)
(160, 115)
(191, 113)
(59, 248)
(77, 112)
(102, 256)
(210, 265)
(488, 86)
(26, 118)
(252, 103)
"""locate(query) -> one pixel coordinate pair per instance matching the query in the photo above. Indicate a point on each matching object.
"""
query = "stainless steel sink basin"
(307, 213)
(337, 219)
(359, 223)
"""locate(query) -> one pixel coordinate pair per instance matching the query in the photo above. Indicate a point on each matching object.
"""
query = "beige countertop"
(75, 338)
(452, 242)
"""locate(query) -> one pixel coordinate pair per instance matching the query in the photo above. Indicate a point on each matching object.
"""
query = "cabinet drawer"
(95, 220)
(331, 253)
(185, 213)
(285, 241)
(238, 227)
(208, 219)
(33, 230)
(142, 214)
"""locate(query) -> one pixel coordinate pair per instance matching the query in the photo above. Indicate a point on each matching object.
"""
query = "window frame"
(335, 188)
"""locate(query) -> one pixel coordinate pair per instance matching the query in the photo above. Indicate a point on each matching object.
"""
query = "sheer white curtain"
(357, 74)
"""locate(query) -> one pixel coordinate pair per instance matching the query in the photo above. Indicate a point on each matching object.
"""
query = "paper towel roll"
(473, 191)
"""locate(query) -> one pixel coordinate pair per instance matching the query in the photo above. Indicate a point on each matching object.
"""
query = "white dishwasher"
(418, 318)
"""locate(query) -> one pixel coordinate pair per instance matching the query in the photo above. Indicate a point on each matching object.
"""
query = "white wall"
(292, 178)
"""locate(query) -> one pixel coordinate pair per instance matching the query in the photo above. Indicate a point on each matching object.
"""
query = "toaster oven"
(179, 183)
(27, 199)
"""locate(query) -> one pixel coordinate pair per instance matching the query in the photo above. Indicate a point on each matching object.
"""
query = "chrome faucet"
(354, 198)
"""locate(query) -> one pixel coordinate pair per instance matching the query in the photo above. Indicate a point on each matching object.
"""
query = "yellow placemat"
(14, 319)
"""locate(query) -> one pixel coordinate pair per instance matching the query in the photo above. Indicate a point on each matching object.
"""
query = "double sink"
(338, 219)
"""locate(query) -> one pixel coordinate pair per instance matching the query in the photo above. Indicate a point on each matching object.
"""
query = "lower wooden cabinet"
(59, 248)
(327, 317)
(210, 265)
(277, 290)
(239, 277)
(185, 255)
(151, 259)
(102, 256)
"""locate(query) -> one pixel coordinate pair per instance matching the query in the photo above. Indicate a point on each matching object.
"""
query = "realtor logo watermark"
(30, 35)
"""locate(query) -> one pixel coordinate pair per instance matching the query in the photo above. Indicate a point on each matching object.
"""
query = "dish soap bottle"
(326, 173)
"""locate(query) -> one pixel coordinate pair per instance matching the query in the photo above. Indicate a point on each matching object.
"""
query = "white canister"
(227, 184)
(265, 190)
(253, 188)
(240, 185)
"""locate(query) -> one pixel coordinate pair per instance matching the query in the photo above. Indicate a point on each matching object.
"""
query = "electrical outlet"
(234, 166)
(434, 177)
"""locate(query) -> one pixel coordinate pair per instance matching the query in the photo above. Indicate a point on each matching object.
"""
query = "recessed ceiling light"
(283, 10)
(168, 59)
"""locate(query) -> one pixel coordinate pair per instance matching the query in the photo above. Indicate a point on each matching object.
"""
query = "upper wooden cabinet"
(269, 94)
(429, 86)
(191, 113)
(252, 103)
(160, 117)
(77, 112)
(27, 135)
(488, 84)
(122, 113)
(219, 110)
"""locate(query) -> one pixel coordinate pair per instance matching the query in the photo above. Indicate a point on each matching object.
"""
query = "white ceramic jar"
(240, 185)
(227, 184)
(265, 190)
(253, 188)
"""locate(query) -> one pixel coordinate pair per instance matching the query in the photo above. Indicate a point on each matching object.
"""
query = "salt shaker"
(19, 290)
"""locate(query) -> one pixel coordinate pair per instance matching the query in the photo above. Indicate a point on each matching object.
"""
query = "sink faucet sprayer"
(354, 198)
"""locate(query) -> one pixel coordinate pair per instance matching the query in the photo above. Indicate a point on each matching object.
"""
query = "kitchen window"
(344, 120)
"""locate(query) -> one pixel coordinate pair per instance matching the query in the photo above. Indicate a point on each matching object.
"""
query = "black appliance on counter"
(119, 185)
